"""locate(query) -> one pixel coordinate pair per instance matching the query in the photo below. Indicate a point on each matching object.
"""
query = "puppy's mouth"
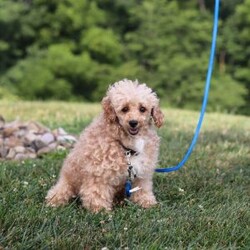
(133, 131)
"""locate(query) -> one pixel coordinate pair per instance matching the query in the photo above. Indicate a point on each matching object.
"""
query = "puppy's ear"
(109, 112)
(158, 116)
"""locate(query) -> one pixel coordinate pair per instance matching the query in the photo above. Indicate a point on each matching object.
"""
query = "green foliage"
(230, 101)
(102, 44)
(72, 50)
(177, 64)
(34, 79)
(237, 41)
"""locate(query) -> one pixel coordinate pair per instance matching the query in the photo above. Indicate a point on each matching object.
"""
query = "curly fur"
(96, 169)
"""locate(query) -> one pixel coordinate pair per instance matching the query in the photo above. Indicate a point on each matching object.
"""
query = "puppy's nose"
(133, 123)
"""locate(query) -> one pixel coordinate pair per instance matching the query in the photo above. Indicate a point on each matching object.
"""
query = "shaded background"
(73, 49)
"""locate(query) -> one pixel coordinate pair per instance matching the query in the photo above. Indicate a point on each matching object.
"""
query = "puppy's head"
(133, 106)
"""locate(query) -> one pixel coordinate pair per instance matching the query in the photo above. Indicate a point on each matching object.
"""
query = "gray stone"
(20, 140)
(20, 133)
(66, 138)
(2, 122)
(3, 152)
(31, 155)
(38, 143)
(11, 154)
(47, 138)
(30, 150)
(30, 137)
(37, 127)
(12, 142)
(43, 150)
(60, 147)
(61, 131)
(20, 156)
(20, 149)
(52, 146)
(8, 131)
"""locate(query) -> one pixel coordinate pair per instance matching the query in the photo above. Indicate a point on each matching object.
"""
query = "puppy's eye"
(125, 110)
(142, 109)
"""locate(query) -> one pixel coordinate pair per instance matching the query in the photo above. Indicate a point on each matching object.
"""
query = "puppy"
(120, 146)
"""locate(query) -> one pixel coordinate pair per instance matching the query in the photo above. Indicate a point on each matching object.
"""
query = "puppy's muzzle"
(133, 123)
(133, 129)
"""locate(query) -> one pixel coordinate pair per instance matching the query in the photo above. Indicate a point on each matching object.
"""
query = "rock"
(47, 138)
(2, 122)
(30, 150)
(3, 152)
(31, 155)
(60, 147)
(29, 138)
(52, 146)
(20, 156)
(19, 140)
(61, 131)
(12, 142)
(37, 127)
(33, 127)
(20, 149)
(11, 154)
(8, 131)
(66, 138)
(10, 128)
(38, 143)
(21, 132)
(43, 150)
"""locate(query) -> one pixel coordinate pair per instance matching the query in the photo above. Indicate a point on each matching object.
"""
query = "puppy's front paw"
(100, 209)
(54, 201)
(55, 198)
(145, 201)
(148, 203)
(95, 208)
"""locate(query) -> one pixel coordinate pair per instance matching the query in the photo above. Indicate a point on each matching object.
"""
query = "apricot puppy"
(119, 145)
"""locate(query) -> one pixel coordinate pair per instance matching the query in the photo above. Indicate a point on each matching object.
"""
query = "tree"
(72, 50)
(69, 49)
(18, 30)
(172, 47)
(237, 44)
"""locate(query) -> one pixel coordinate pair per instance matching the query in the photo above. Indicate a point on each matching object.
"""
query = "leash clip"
(128, 156)
(131, 176)
(131, 170)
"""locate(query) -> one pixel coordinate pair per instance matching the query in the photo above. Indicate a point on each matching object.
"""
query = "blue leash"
(205, 98)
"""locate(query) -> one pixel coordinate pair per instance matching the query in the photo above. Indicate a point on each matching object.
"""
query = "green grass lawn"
(205, 205)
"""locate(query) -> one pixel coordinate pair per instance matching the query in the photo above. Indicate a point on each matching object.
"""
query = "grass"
(205, 205)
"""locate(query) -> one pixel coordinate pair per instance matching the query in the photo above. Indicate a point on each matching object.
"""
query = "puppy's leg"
(60, 193)
(145, 196)
(96, 195)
